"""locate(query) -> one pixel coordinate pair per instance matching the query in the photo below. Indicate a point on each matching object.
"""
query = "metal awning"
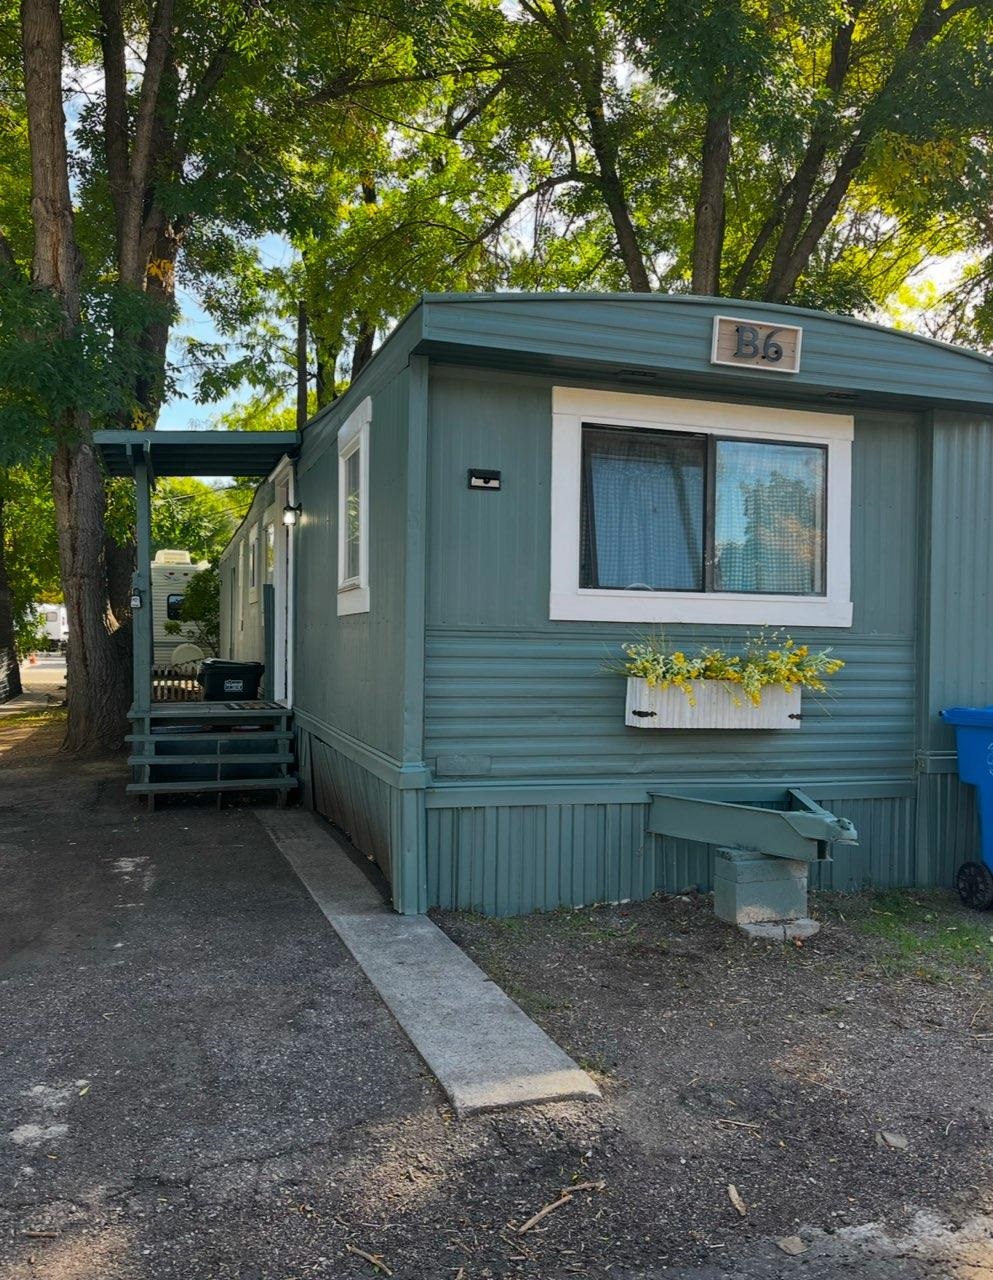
(195, 453)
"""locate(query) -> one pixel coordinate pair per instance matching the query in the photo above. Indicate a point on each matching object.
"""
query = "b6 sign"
(752, 344)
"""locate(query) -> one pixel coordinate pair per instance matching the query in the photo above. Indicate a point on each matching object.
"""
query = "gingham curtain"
(645, 528)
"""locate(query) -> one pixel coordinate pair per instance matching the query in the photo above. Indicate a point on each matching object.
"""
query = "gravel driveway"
(196, 1082)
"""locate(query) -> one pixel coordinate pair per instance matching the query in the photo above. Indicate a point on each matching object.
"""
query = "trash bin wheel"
(975, 885)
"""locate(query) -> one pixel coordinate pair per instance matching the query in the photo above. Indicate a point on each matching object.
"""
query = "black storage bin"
(221, 679)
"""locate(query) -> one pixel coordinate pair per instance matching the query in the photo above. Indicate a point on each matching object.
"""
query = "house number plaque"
(751, 344)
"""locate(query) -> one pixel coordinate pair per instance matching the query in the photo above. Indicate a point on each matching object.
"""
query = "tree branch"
(349, 82)
(115, 110)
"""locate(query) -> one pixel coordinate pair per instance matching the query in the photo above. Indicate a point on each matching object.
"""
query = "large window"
(665, 512)
(670, 510)
(353, 511)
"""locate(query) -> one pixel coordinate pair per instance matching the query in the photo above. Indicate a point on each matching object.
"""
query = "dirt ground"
(197, 1083)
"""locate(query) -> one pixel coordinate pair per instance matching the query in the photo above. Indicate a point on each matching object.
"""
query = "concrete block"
(753, 888)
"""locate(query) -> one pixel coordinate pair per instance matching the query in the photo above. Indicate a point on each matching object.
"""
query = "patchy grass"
(927, 934)
(35, 718)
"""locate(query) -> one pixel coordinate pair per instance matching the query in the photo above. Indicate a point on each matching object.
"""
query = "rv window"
(174, 607)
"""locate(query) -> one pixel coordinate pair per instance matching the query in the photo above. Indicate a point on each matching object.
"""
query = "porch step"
(216, 757)
(238, 745)
(191, 786)
(209, 735)
(213, 711)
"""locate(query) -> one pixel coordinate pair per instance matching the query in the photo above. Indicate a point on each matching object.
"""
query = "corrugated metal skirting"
(350, 797)
(504, 860)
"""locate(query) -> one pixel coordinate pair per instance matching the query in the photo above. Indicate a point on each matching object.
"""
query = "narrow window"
(353, 516)
(270, 552)
(253, 565)
(642, 510)
(353, 511)
(174, 607)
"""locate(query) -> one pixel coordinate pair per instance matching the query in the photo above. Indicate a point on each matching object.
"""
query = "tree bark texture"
(98, 657)
(97, 681)
(614, 197)
(709, 220)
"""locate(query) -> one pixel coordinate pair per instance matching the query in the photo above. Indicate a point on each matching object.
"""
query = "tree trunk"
(362, 353)
(98, 664)
(708, 226)
(98, 683)
(120, 559)
(10, 674)
(160, 292)
(615, 198)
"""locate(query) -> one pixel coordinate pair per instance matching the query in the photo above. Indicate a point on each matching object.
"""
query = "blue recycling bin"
(974, 739)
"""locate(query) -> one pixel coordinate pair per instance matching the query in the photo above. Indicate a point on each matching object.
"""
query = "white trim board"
(572, 406)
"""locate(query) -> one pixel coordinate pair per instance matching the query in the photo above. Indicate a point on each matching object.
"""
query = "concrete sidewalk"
(30, 700)
(485, 1052)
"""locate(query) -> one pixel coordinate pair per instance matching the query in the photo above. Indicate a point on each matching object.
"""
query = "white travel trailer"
(172, 572)
(55, 622)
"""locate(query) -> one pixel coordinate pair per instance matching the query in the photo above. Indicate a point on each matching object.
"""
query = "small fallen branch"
(543, 1213)
(734, 1195)
(373, 1258)
(566, 1195)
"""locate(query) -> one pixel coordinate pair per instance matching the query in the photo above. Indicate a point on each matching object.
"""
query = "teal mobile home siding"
(516, 702)
(958, 627)
(241, 614)
(477, 749)
(353, 676)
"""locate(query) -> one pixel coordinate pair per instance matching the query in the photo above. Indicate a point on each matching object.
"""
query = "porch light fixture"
(291, 514)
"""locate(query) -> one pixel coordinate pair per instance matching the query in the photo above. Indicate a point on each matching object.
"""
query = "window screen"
(769, 516)
(353, 523)
(174, 607)
(668, 512)
(643, 510)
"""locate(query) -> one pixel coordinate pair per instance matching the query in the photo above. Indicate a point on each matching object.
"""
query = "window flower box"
(715, 704)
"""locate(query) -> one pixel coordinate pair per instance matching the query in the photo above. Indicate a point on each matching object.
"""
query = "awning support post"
(141, 593)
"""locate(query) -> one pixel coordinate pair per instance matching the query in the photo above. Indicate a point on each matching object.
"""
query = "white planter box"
(718, 706)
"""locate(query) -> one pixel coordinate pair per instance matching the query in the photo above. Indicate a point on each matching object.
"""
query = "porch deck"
(218, 747)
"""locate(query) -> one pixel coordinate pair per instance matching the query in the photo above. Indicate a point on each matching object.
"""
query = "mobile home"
(517, 486)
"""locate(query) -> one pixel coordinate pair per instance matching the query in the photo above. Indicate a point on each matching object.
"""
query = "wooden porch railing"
(174, 684)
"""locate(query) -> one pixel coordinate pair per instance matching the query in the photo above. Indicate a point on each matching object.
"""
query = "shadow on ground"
(196, 1082)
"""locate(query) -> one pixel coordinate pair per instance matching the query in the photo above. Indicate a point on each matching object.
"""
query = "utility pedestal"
(765, 897)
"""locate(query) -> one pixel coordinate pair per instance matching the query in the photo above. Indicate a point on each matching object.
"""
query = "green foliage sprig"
(201, 612)
(766, 660)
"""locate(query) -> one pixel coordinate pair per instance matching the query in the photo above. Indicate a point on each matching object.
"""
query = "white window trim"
(572, 406)
(353, 593)
(253, 565)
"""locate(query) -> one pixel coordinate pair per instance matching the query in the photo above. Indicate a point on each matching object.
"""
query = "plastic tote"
(974, 739)
(221, 679)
